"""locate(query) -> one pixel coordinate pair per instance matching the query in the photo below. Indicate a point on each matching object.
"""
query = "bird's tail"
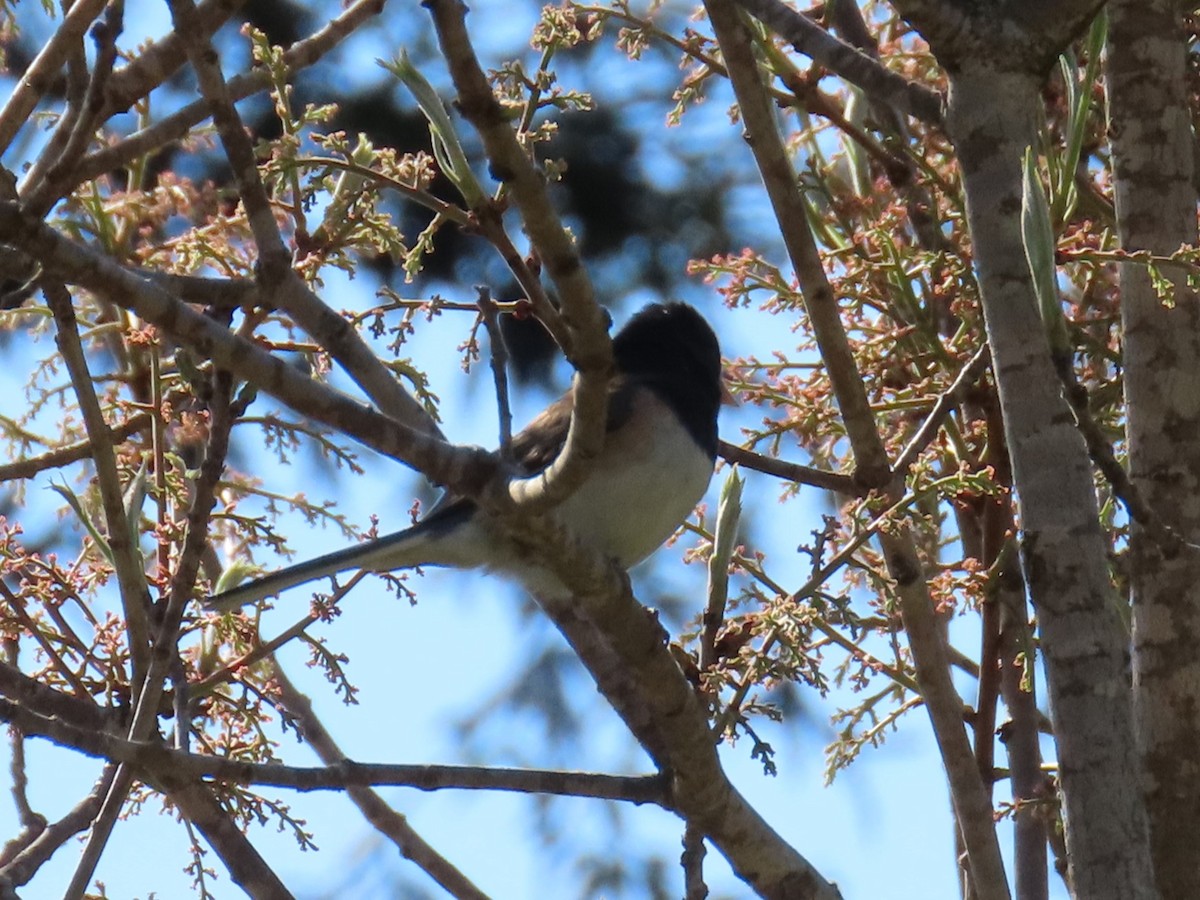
(431, 542)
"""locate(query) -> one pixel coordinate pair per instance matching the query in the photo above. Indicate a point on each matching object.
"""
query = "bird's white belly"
(647, 480)
(628, 510)
(629, 514)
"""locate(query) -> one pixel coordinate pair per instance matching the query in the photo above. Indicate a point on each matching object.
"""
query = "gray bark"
(1152, 145)
(991, 119)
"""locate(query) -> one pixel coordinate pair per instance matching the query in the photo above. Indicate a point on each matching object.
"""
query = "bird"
(658, 457)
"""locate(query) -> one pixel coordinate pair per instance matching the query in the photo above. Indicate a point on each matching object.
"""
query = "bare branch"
(846, 61)
(127, 556)
(152, 758)
(587, 345)
(972, 806)
(274, 260)
(30, 466)
(45, 66)
(769, 465)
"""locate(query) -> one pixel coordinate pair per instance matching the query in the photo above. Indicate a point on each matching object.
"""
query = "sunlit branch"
(587, 347)
(769, 465)
(850, 63)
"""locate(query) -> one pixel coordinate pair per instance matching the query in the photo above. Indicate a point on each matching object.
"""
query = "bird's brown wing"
(540, 442)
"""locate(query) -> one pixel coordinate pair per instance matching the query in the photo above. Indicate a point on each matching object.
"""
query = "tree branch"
(972, 807)
(586, 345)
(768, 465)
(126, 555)
(152, 758)
(846, 61)
(45, 67)
(30, 466)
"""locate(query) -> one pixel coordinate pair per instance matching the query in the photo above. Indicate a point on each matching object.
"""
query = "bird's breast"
(649, 477)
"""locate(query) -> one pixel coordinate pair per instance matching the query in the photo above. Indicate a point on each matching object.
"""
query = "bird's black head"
(673, 350)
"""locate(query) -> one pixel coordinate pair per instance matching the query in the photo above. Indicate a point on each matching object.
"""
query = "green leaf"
(1079, 102)
(447, 148)
(235, 573)
(729, 514)
(1038, 238)
(135, 498)
(100, 540)
(856, 158)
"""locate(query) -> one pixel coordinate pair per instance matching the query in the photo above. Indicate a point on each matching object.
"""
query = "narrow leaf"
(1038, 238)
(99, 539)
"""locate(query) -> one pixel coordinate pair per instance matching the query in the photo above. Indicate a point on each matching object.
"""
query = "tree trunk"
(1156, 211)
(991, 122)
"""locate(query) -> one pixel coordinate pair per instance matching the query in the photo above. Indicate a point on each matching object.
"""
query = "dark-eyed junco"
(657, 460)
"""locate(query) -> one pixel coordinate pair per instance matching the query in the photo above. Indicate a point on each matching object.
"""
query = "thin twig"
(127, 557)
(723, 547)
(499, 360)
(199, 807)
(830, 481)
(274, 260)
(342, 773)
(30, 466)
(948, 399)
